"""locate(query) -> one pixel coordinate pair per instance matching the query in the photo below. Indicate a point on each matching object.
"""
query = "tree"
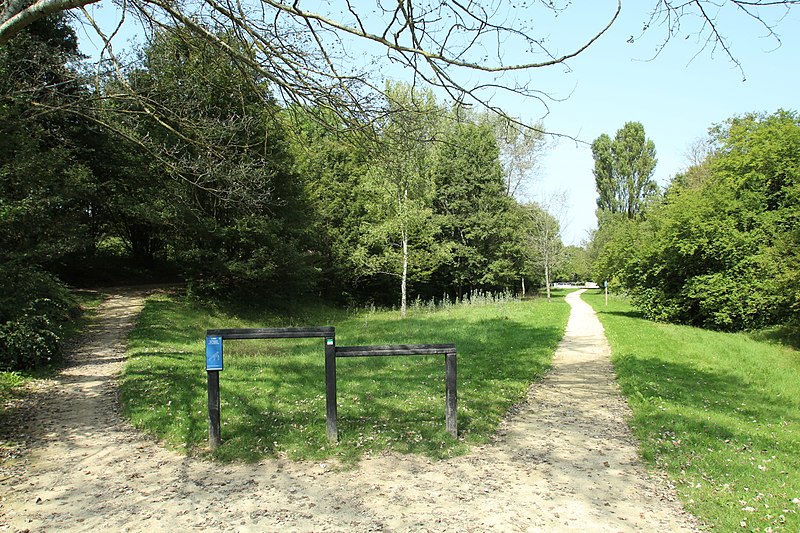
(332, 164)
(480, 221)
(401, 191)
(237, 215)
(544, 236)
(576, 266)
(45, 184)
(722, 252)
(623, 170)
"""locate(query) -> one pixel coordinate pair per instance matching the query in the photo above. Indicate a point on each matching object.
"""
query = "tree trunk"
(523, 287)
(547, 277)
(404, 278)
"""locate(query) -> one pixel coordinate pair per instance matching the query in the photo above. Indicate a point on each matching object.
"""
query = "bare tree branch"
(336, 59)
(669, 14)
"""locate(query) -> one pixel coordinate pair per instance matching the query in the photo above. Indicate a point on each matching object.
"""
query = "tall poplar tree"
(623, 170)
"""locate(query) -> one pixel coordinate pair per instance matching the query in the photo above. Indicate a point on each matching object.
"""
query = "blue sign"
(213, 353)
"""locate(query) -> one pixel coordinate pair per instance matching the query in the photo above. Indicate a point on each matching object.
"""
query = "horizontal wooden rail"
(397, 349)
(449, 352)
(272, 333)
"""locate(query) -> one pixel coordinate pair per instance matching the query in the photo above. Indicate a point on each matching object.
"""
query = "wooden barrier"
(212, 368)
(214, 359)
(449, 352)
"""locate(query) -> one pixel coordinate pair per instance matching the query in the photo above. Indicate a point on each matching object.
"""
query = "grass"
(719, 412)
(273, 391)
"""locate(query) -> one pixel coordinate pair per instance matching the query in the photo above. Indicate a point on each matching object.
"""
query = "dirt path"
(564, 461)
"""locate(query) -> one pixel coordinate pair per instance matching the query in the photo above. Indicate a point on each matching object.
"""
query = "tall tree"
(623, 170)
(332, 165)
(401, 190)
(544, 236)
(45, 185)
(237, 214)
(45, 182)
(480, 221)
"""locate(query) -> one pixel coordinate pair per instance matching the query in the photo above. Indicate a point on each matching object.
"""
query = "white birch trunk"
(404, 277)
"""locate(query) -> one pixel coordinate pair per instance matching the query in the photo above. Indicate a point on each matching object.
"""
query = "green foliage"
(613, 244)
(623, 170)
(333, 166)
(44, 180)
(34, 309)
(273, 391)
(719, 412)
(479, 220)
(231, 213)
(10, 383)
(400, 230)
(542, 234)
(576, 265)
(44, 183)
(431, 181)
(721, 249)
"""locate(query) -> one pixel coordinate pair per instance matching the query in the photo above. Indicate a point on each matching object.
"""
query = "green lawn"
(273, 391)
(719, 412)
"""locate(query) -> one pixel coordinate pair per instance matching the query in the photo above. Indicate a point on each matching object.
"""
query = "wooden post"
(214, 439)
(330, 389)
(451, 396)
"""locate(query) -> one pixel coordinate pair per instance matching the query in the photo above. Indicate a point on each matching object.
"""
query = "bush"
(34, 307)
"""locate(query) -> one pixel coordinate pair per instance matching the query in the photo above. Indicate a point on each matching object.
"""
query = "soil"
(563, 460)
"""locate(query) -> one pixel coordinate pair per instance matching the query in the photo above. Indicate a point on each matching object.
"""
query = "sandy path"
(563, 461)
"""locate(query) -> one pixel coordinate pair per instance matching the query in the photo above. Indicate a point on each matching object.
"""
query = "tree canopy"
(721, 249)
(623, 170)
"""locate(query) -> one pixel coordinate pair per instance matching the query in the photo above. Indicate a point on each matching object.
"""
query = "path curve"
(564, 460)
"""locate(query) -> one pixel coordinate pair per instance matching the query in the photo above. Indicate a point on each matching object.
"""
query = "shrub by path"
(563, 460)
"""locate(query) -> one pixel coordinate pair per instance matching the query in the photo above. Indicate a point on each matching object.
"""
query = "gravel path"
(564, 460)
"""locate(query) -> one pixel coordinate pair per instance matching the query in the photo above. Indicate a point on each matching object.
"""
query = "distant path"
(565, 460)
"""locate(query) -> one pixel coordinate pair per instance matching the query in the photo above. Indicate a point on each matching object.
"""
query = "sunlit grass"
(273, 391)
(719, 412)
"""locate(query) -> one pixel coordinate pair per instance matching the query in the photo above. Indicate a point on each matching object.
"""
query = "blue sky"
(676, 95)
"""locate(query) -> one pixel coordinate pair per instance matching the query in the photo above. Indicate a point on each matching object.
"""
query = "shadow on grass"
(624, 314)
(273, 392)
(714, 407)
(787, 335)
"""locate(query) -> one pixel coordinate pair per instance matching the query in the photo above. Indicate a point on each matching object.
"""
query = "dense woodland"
(205, 177)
